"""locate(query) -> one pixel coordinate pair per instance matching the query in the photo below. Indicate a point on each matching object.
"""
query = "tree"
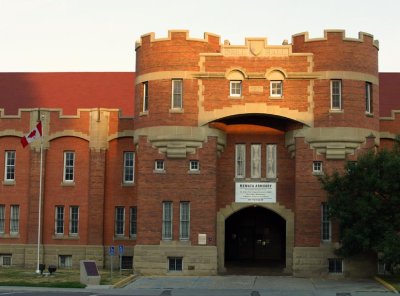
(365, 200)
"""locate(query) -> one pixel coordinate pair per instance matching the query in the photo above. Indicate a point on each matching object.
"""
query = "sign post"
(121, 252)
(111, 251)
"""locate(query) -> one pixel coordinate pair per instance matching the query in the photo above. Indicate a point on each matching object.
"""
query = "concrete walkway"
(258, 285)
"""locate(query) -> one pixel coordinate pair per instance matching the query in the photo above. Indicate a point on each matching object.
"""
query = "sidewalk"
(283, 284)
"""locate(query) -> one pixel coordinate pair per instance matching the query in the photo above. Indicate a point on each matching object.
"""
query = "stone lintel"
(178, 141)
(334, 142)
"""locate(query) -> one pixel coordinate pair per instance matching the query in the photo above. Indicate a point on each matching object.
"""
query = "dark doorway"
(255, 242)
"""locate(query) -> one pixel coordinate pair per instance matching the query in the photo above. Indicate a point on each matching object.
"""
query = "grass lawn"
(62, 278)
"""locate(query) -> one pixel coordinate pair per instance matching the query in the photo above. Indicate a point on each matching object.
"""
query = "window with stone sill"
(159, 165)
(336, 94)
(235, 88)
(317, 167)
(175, 263)
(335, 265)
(276, 88)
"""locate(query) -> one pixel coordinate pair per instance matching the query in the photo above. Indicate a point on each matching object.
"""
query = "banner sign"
(255, 192)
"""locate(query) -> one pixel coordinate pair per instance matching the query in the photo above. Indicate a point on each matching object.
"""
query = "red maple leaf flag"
(33, 135)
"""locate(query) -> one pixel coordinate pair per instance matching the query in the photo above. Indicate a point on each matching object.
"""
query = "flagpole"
(40, 197)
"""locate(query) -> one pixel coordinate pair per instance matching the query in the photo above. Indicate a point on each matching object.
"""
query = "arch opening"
(255, 242)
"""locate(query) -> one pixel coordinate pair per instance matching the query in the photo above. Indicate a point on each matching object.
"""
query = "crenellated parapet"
(177, 52)
(97, 126)
(336, 35)
(177, 35)
(336, 52)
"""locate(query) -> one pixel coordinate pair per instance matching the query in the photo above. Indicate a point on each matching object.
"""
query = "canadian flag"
(34, 134)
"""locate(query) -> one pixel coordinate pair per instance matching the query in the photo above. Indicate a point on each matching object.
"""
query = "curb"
(125, 281)
(386, 284)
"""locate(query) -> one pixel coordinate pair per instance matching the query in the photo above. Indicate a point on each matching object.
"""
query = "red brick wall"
(19, 192)
(353, 105)
(58, 194)
(160, 98)
(117, 193)
(336, 54)
(176, 185)
(175, 54)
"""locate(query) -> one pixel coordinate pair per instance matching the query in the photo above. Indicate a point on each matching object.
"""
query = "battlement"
(333, 35)
(177, 35)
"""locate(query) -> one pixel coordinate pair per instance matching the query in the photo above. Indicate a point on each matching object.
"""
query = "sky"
(100, 35)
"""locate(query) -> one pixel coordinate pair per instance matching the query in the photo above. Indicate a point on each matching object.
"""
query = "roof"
(389, 93)
(67, 91)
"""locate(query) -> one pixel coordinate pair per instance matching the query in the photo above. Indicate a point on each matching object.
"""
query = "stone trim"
(178, 141)
(123, 134)
(348, 75)
(60, 111)
(334, 142)
(153, 259)
(392, 117)
(205, 117)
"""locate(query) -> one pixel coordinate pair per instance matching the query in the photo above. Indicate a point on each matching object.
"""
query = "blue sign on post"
(121, 249)
(112, 250)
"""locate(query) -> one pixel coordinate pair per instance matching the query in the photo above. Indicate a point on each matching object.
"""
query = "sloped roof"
(68, 91)
(389, 93)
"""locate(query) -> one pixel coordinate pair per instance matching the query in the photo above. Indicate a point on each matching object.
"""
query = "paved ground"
(255, 286)
(219, 286)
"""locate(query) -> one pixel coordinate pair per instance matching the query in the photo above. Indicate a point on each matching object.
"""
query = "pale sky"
(100, 35)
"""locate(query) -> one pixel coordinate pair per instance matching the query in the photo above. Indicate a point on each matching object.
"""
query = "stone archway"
(283, 212)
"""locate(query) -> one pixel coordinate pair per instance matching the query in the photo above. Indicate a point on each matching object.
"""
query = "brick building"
(202, 161)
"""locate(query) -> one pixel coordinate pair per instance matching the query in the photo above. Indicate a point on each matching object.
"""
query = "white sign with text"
(255, 192)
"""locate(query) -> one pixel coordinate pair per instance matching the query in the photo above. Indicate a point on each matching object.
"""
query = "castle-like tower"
(260, 122)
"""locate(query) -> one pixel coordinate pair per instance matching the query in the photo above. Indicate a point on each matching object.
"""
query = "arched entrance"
(255, 240)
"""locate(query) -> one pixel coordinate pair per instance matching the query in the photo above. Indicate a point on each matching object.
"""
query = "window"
(194, 165)
(129, 167)
(271, 161)
(14, 219)
(5, 259)
(69, 159)
(335, 265)
(368, 97)
(65, 261)
(59, 221)
(235, 88)
(336, 94)
(256, 161)
(276, 88)
(174, 263)
(9, 173)
(145, 96)
(177, 96)
(325, 223)
(73, 220)
(159, 165)
(2, 218)
(119, 221)
(127, 262)
(167, 220)
(184, 220)
(240, 161)
(133, 222)
(317, 167)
